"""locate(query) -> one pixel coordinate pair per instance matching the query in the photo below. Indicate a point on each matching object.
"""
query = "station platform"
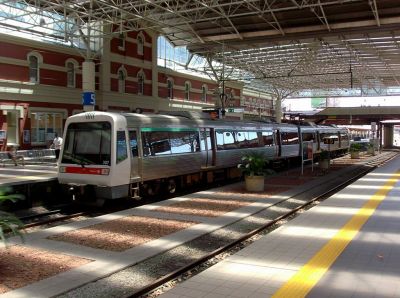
(347, 246)
(11, 175)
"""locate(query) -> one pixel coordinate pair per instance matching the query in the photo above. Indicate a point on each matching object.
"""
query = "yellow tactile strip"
(309, 275)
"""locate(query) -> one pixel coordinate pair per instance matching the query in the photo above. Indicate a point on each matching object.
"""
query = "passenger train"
(115, 155)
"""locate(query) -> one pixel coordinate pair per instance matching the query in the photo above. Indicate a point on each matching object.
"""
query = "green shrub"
(9, 223)
(355, 147)
(254, 164)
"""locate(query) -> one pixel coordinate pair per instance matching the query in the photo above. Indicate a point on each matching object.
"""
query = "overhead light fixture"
(42, 22)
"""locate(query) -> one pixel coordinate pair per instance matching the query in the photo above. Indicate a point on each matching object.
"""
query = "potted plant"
(355, 149)
(254, 169)
(9, 224)
(371, 149)
(324, 160)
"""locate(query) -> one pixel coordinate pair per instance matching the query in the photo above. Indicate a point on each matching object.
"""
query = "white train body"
(116, 154)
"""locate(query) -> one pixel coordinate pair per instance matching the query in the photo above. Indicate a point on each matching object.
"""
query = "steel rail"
(52, 220)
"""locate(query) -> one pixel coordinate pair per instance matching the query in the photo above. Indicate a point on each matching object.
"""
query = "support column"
(88, 85)
(278, 109)
(388, 136)
(154, 67)
(105, 64)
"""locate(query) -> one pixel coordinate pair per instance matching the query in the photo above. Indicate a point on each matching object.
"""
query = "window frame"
(187, 90)
(36, 129)
(34, 69)
(121, 148)
(170, 88)
(74, 63)
(140, 43)
(140, 81)
(121, 41)
(204, 90)
(121, 80)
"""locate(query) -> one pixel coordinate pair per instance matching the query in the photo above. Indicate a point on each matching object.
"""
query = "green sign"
(318, 102)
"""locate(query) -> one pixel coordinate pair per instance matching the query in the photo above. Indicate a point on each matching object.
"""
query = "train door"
(318, 141)
(278, 142)
(134, 149)
(208, 147)
(208, 155)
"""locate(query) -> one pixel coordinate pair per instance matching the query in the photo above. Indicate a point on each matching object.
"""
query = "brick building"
(41, 85)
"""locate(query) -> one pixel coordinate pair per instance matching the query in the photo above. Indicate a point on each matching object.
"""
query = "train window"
(156, 143)
(159, 143)
(133, 143)
(220, 140)
(184, 142)
(194, 141)
(146, 143)
(122, 153)
(293, 138)
(290, 138)
(229, 141)
(181, 142)
(241, 139)
(329, 135)
(268, 138)
(308, 136)
(253, 139)
(226, 140)
(161, 147)
(344, 136)
(205, 137)
(88, 143)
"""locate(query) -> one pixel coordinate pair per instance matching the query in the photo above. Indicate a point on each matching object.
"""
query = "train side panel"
(169, 166)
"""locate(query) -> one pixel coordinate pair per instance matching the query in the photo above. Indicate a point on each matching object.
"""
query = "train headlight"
(105, 171)
(62, 169)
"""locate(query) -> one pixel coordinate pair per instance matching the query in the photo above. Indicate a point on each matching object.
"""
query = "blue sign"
(88, 98)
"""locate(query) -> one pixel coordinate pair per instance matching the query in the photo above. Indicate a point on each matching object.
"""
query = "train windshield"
(88, 144)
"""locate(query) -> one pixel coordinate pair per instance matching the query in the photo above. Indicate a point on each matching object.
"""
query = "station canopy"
(310, 47)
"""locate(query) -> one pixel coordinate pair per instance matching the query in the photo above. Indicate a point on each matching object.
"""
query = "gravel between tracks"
(124, 233)
(20, 266)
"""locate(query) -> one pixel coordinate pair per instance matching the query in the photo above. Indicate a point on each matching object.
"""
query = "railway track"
(50, 218)
(162, 271)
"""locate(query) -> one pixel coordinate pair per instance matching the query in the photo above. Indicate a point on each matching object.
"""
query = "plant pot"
(355, 154)
(254, 183)
(324, 164)
(371, 151)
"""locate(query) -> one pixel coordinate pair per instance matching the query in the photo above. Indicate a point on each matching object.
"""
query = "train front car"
(95, 164)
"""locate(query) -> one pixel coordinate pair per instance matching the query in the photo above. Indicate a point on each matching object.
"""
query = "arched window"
(170, 88)
(71, 66)
(187, 90)
(231, 98)
(204, 93)
(140, 44)
(34, 59)
(121, 80)
(140, 78)
(121, 41)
